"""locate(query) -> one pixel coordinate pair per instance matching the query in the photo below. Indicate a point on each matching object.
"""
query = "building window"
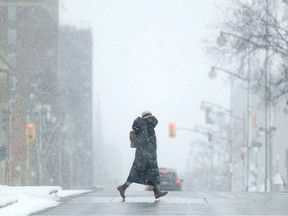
(12, 36)
(12, 58)
(12, 16)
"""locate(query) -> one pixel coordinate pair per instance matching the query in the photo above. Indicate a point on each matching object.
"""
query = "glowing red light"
(30, 126)
(178, 181)
(164, 172)
(172, 125)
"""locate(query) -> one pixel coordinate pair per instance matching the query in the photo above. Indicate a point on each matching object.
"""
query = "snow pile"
(25, 200)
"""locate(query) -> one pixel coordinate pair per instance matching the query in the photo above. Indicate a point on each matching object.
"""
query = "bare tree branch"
(245, 29)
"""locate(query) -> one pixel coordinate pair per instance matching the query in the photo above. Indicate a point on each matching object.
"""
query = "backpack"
(133, 140)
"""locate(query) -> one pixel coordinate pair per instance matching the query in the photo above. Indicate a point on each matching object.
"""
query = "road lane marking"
(228, 196)
(189, 212)
(146, 199)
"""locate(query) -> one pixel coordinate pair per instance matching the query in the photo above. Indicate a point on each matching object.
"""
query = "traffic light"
(172, 130)
(30, 132)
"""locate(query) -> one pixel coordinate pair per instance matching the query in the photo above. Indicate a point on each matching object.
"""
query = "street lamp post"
(268, 145)
(39, 113)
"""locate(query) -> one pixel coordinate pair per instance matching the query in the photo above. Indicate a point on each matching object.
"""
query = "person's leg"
(122, 188)
(128, 183)
(158, 193)
(154, 175)
(129, 180)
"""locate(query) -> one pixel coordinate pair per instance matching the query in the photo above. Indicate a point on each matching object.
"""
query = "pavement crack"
(206, 200)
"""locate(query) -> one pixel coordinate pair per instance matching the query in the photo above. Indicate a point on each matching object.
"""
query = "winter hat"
(146, 114)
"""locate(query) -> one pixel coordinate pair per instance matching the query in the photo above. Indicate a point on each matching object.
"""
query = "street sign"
(256, 144)
(3, 152)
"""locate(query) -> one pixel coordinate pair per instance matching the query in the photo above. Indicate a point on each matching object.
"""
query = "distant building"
(28, 40)
(75, 82)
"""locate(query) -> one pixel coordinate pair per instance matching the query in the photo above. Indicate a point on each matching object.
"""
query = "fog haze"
(149, 55)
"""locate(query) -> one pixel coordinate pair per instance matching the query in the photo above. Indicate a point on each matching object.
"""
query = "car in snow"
(169, 180)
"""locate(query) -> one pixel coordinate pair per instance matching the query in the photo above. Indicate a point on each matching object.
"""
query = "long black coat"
(145, 168)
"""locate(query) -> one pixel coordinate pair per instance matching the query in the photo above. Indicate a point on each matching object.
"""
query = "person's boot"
(158, 193)
(122, 189)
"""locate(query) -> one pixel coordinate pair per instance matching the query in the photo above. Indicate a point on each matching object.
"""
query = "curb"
(9, 203)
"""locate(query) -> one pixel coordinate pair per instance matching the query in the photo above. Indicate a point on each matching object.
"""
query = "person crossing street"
(145, 166)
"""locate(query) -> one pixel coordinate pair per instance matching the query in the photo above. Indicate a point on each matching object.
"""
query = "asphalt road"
(175, 203)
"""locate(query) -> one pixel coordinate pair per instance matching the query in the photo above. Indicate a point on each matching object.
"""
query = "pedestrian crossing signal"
(30, 132)
(172, 130)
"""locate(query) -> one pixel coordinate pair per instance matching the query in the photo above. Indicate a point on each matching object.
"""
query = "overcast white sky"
(148, 55)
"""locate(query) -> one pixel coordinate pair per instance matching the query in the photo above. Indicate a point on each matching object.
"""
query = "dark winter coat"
(145, 168)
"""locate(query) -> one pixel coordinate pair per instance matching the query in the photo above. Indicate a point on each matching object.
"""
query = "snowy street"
(101, 97)
(175, 203)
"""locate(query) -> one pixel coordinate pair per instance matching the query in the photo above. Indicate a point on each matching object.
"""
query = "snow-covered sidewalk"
(20, 201)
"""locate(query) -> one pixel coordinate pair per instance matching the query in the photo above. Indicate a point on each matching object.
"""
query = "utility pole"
(267, 106)
(248, 125)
